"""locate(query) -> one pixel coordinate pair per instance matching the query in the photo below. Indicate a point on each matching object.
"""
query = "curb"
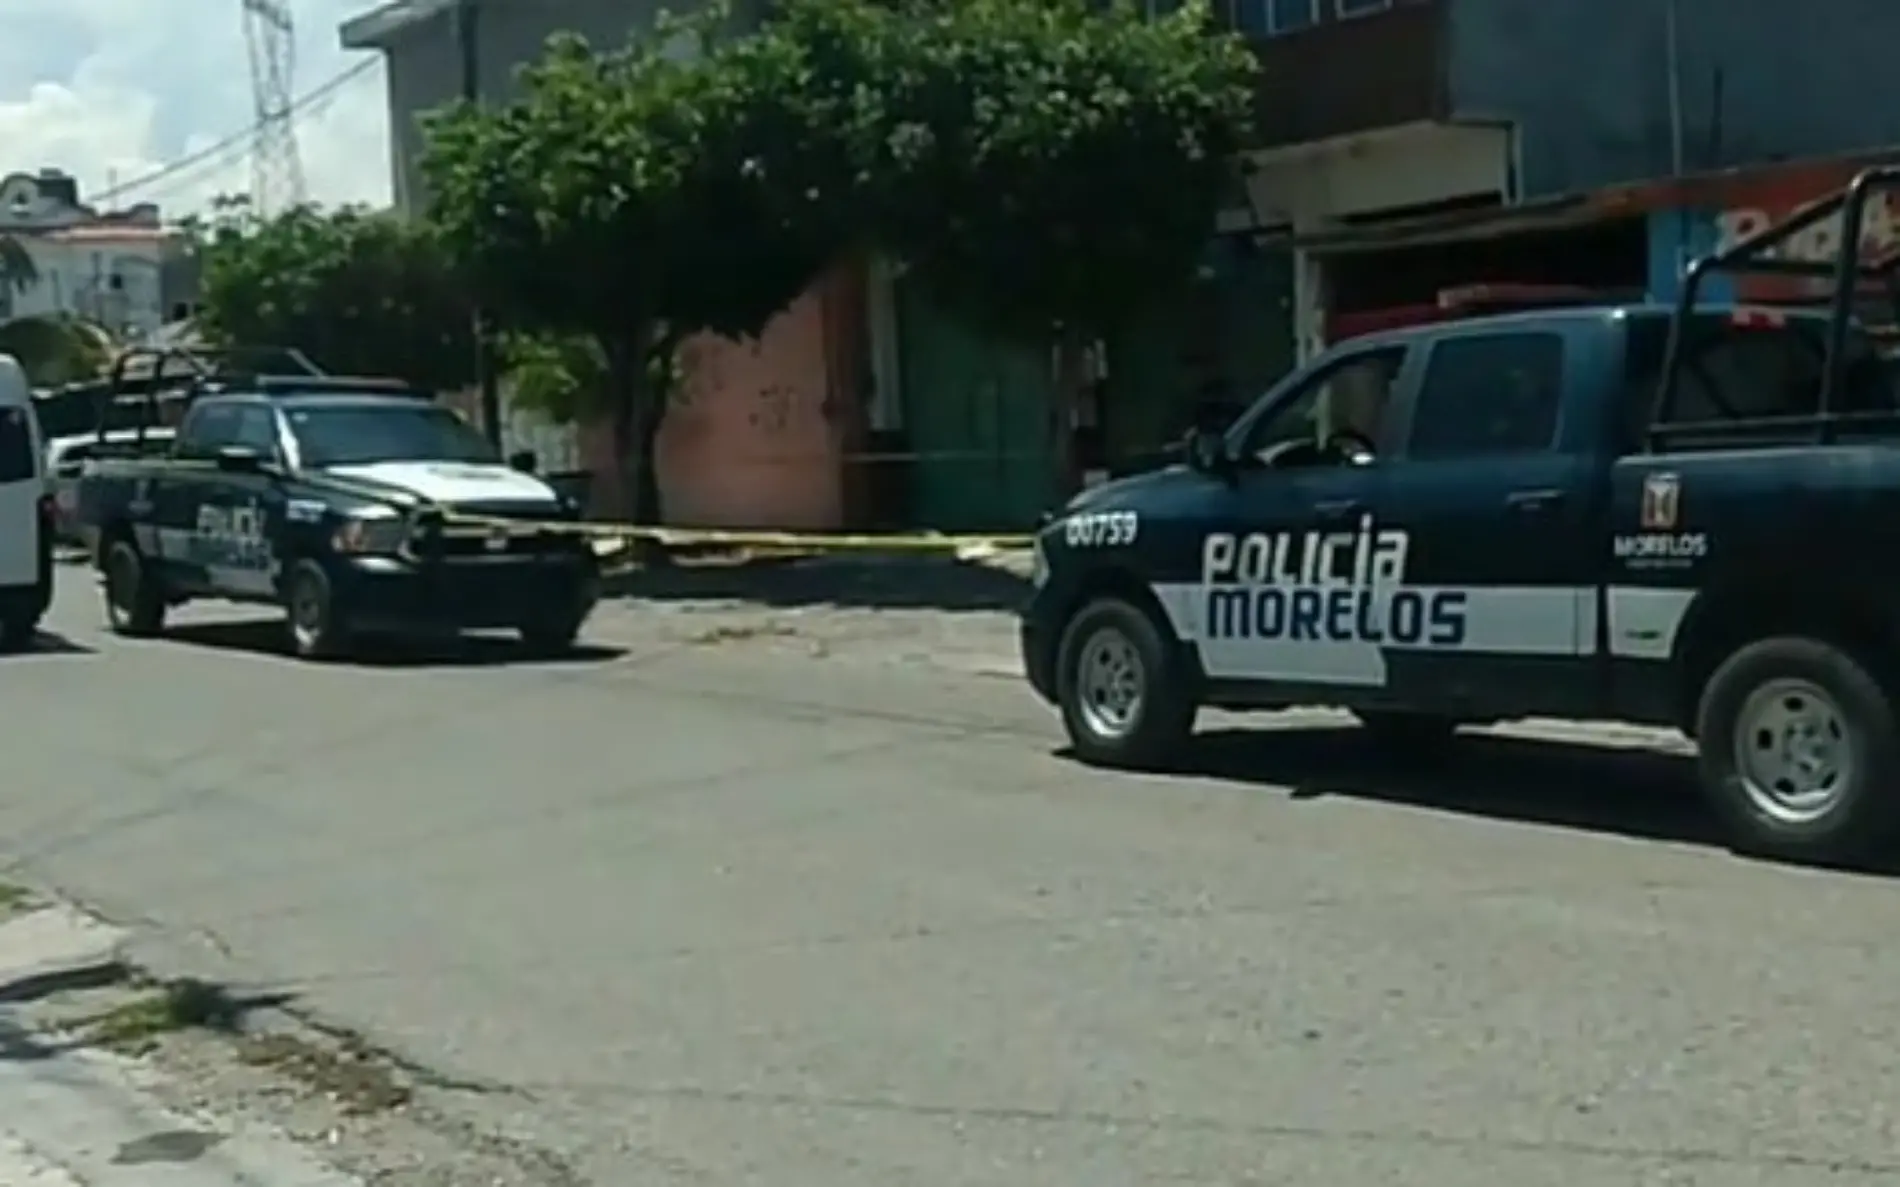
(71, 1116)
(57, 947)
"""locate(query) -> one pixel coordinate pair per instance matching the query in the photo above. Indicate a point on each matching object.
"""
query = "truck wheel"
(135, 602)
(1798, 752)
(1126, 702)
(18, 634)
(310, 610)
(552, 637)
(1408, 733)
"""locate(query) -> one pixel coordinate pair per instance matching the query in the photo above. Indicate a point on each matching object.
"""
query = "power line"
(237, 140)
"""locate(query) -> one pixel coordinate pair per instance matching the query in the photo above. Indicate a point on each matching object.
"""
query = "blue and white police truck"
(1680, 516)
(363, 508)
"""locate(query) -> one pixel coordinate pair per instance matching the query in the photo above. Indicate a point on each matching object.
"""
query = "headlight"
(375, 535)
(1038, 564)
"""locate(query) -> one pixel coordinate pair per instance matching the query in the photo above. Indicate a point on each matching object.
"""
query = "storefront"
(1409, 271)
(1705, 214)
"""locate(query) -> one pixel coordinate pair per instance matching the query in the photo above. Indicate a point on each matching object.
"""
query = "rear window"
(16, 445)
(1752, 371)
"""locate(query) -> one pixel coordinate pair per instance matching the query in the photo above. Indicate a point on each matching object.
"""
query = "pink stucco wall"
(751, 439)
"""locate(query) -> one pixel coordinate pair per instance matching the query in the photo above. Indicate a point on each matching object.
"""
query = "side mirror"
(1207, 453)
(236, 459)
(523, 462)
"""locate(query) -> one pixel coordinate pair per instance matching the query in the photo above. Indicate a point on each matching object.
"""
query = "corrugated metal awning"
(1455, 226)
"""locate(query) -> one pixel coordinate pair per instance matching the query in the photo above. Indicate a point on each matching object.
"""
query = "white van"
(26, 513)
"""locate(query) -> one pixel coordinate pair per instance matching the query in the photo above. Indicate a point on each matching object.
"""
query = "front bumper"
(1037, 634)
(466, 593)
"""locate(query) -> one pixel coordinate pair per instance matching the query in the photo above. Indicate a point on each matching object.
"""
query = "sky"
(110, 90)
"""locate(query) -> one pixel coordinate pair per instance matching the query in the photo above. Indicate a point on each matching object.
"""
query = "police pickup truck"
(362, 508)
(1684, 517)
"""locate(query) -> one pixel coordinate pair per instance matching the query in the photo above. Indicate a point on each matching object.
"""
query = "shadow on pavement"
(266, 637)
(46, 643)
(1623, 791)
(859, 582)
(147, 1012)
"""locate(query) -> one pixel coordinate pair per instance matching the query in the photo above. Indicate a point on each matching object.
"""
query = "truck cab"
(1681, 516)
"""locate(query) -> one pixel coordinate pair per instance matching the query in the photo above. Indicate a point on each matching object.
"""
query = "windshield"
(364, 434)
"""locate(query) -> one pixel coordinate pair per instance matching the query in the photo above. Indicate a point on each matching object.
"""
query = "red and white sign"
(1752, 207)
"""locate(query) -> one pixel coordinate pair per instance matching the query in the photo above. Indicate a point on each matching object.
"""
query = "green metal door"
(977, 410)
(1234, 328)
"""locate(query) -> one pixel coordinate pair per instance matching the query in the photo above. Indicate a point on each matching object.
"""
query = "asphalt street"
(726, 912)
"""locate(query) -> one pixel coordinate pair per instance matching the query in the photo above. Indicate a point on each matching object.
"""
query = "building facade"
(1411, 146)
(108, 268)
(759, 433)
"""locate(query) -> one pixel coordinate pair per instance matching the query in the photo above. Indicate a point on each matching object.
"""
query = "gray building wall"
(1587, 81)
(425, 63)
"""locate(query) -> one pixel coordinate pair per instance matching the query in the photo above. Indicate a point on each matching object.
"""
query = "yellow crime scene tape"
(625, 534)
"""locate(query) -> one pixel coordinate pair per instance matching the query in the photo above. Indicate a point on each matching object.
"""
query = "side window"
(1354, 395)
(16, 445)
(1488, 395)
(208, 428)
(257, 429)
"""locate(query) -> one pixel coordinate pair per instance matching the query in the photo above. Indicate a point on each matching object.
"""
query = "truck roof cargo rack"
(1856, 294)
(175, 376)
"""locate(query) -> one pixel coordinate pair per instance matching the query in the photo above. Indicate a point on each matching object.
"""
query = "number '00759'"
(1105, 529)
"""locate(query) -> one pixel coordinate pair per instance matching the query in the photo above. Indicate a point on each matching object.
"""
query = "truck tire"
(18, 634)
(1799, 755)
(310, 613)
(1125, 697)
(552, 636)
(135, 601)
(1407, 733)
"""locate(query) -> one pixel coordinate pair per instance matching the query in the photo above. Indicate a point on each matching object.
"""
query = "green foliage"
(675, 185)
(1046, 164)
(361, 293)
(56, 349)
(563, 378)
(690, 181)
(16, 265)
(1056, 163)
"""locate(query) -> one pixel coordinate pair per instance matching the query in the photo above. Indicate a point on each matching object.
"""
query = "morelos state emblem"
(1662, 500)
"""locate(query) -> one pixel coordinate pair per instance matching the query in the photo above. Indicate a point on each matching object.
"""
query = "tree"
(17, 270)
(56, 349)
(688, 182)
(359, 292)
(1054, 168)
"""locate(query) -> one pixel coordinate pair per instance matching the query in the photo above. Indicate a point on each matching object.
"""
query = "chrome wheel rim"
(306, 610)
(1793, 751)
(1110, 683)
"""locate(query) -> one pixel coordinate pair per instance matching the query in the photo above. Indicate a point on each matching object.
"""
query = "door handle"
(1334, 510)
(1533, 500)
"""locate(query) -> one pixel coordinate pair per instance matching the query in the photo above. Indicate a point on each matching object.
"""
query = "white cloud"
(113, 90)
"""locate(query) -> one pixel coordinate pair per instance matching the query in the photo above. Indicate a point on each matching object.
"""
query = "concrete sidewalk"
(76, 1117)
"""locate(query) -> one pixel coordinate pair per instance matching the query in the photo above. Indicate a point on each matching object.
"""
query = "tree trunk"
(1071, 376)
(637, 411)
(639, 402)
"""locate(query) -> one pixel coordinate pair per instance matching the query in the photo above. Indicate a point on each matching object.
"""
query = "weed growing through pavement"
(342, 1068)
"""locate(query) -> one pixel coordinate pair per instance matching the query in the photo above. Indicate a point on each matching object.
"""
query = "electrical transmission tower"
(277, 181)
